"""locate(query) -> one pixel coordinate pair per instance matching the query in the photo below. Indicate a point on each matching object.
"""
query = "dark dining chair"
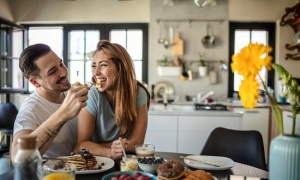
(243, 146)
(8, 113)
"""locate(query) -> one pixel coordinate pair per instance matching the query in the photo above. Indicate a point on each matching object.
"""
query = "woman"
(117, 105)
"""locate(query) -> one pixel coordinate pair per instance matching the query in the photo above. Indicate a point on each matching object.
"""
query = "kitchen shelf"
(190, 20)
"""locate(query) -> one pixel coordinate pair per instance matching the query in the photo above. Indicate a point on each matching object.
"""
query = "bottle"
(27, 159)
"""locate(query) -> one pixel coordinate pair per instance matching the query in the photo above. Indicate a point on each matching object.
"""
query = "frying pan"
(208, 41)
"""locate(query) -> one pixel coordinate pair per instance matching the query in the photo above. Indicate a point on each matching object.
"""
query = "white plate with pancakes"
(224, 162)
(107, 164)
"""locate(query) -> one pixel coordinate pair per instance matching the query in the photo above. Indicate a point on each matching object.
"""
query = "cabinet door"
(257, 119)
(288, 122)
(193, 131)
(162, 132)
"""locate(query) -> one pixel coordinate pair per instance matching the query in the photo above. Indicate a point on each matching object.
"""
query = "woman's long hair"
(125, 86)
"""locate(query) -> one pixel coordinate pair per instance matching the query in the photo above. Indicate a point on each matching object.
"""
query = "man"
(49, 113)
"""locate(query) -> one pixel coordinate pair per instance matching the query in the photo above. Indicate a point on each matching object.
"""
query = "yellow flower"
(250, 60)
(248, 92)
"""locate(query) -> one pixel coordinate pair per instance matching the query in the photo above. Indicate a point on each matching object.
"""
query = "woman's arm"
(139, 129)
(86, 129)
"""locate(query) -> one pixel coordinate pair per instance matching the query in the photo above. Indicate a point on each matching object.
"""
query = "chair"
(8, 113)
(245, 147)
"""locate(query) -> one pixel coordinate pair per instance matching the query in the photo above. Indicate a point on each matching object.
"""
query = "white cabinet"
(162, 132)
(193, 131)
(288, 122)
(257, 119)
(186, 133)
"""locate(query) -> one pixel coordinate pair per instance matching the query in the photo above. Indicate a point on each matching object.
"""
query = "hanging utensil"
(208, 41)
(161, 40)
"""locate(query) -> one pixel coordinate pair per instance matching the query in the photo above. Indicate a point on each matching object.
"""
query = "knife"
(203, 162)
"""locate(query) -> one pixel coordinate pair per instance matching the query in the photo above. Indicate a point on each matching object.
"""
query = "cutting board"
(177, 47)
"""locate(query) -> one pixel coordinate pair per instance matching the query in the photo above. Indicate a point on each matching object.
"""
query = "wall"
(192, 35)
(85, 11)
(5, 11)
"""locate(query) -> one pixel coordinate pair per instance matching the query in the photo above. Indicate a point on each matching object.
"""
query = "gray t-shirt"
(106, 129)
(34, 111)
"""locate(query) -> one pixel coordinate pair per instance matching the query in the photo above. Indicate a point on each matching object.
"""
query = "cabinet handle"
(251, 112)
(289, 116)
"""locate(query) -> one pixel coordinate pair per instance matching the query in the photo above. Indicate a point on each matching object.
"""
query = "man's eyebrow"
(51, 69)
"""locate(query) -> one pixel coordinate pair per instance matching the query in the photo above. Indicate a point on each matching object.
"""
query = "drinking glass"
(144, 150)
(54, 172)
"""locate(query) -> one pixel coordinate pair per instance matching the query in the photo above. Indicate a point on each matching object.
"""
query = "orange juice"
(59, 176)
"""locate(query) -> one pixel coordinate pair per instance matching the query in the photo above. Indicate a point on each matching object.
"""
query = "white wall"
(85, 11)
(5, 11)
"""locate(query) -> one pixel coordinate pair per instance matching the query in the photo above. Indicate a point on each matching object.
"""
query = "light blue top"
(106, 129)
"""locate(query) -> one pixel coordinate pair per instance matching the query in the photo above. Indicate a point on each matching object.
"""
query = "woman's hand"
(116, 149)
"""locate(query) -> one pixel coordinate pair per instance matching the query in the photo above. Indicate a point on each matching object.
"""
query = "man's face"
(53, 73)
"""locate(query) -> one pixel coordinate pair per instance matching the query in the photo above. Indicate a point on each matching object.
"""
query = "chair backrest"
(241, 146)
(8, 113)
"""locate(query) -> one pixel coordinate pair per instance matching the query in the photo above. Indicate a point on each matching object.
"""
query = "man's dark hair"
(29, 56)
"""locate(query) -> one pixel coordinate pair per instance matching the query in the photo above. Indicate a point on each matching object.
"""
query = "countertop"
(189, 110)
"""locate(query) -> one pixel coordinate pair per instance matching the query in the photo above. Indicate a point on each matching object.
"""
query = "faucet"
(201, 98)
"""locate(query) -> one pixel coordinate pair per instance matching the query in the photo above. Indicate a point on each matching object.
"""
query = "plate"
(108, 164)
(225, 162)
(110, 175)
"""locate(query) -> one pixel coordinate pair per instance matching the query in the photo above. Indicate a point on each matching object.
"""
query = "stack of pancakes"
(83, 161)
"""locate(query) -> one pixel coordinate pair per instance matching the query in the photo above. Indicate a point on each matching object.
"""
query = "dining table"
(239, 169)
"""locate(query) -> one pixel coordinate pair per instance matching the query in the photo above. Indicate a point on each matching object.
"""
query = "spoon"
(123, 149)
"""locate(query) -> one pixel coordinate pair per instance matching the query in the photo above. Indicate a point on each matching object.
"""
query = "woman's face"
(104, 71)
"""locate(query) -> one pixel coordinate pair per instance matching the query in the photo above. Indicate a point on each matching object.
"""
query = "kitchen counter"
(189, 110)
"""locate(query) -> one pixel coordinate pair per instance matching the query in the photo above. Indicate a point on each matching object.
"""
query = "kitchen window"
(12, 42)
(75, 43)
(240, 35)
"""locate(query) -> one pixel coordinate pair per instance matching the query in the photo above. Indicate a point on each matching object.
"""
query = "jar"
(129, 164)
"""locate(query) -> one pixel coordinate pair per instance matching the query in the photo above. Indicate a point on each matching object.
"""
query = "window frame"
(104, 29)
(267, 26)
(11, 26)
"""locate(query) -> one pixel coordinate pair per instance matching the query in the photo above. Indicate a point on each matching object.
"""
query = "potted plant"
(202, 65)
(165, 68)
(284, 162)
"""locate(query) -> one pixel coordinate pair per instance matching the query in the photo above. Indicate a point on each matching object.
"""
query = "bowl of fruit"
(129, 175)
(150, 164)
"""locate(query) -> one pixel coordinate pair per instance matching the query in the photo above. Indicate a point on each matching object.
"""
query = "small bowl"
(150, 164)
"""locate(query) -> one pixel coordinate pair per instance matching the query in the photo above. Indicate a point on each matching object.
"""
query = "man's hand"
(74, 102)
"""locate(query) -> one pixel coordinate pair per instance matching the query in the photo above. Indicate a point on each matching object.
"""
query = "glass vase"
(284, 161)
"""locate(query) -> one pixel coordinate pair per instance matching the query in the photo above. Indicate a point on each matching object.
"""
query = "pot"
(208, 41)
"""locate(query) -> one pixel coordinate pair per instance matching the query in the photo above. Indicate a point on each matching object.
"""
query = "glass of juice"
(55, 172)
(144, 150)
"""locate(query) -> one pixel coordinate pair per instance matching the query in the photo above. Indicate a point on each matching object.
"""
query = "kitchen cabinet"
(288, 122)
(257, 119)
(193, 131)
(186, 133)
(162, 132)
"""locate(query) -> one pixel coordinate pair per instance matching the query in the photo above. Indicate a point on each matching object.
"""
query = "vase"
(202, 71)
(284, 161)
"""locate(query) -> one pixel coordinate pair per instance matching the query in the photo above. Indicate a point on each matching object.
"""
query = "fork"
(203, 162)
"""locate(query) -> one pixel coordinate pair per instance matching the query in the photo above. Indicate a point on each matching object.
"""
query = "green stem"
(275, 107)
